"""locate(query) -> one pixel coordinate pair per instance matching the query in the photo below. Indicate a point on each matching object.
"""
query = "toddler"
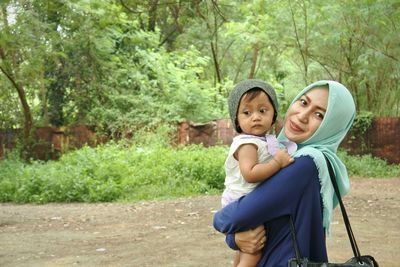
(254, 155)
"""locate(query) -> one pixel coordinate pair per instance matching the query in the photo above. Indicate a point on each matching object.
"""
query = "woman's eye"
(319, 115)
(303, 101)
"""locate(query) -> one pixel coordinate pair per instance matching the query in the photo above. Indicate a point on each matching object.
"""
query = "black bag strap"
(294, 239)
(346, 220)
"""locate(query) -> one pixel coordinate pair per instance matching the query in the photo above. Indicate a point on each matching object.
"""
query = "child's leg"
(249, 260)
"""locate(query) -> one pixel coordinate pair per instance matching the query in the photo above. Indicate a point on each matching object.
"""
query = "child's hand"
(283, 158)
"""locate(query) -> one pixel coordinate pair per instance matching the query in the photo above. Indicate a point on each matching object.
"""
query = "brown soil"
(176, 232)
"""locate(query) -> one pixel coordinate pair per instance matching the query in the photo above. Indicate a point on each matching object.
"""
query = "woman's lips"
(294, 127)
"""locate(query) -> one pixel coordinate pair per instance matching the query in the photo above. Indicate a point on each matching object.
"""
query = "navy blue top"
(295, 191)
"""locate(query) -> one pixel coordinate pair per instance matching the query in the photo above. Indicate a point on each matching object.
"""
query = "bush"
(115, 171)
(126, 171)
(368, 166)
(166, 172)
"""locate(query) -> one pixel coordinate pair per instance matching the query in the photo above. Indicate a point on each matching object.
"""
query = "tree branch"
(296, 32)
(216, 8)
(376, 49)
(254, 61)
(215, 62)
(128, 8)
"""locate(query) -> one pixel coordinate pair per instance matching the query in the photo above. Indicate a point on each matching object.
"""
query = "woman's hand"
(251, 241)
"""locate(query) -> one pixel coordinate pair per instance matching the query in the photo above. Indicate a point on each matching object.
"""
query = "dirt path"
(175, 232)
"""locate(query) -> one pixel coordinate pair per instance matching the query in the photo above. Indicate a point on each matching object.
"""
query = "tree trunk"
(20, 89)
(25, 108)
(254, 61)
(153, 5)
(27, 116)
(216, 65)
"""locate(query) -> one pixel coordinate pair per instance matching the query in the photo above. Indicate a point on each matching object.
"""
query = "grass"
(128, 172)
(369, 166)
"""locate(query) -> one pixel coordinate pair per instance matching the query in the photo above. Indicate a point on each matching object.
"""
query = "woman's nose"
(303, 116)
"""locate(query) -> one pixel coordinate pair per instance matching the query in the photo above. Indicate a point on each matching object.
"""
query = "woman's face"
(305, 115)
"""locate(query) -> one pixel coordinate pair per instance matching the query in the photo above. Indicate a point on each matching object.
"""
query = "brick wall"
(208, 134)
(381, 140)
(50, 142)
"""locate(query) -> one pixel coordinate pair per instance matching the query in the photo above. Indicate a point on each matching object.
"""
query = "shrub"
(115, 171)
(368, 166)
(129, 172)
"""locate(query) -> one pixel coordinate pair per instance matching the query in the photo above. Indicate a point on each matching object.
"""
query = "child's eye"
(263, 110)
(246, 112)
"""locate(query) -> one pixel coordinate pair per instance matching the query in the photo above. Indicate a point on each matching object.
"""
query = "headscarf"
(337, 121)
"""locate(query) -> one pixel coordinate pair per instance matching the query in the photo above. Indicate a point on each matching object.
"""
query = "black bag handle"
(346, 220)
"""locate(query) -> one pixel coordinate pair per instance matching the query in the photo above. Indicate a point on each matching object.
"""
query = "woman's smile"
(294, 127)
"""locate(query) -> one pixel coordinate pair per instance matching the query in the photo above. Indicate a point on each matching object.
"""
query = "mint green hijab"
(337, 121)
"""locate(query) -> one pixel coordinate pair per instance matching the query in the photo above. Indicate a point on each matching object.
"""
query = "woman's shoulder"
(305, 160)
(302, 164)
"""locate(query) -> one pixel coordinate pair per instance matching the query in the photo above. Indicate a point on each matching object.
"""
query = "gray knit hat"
(240, 89)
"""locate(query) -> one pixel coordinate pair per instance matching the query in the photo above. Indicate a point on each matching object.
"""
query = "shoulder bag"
(357, 261)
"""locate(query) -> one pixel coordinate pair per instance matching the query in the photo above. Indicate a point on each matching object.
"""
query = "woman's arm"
(273, 198)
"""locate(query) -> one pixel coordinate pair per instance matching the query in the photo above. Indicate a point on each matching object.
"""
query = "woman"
(317, 120)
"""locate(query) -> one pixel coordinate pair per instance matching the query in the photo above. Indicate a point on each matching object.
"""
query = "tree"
(20, 58)
(363, 54)
(125, 64)
(301, 38)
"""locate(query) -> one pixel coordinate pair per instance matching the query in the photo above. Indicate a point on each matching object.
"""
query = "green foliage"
(116, 171)
(362, 122)
(159, 87)
(100, 61)
(363, 55)
(127, 65)
(130, 172)
(368, 166)
(166, 172)
(9, 110)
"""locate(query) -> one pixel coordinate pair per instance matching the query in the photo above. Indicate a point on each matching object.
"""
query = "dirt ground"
(176, 232)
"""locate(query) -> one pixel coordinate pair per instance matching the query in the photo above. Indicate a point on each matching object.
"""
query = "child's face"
(255, 116)
(305, 116)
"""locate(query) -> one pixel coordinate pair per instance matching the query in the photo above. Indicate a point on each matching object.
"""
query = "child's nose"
(256, 116)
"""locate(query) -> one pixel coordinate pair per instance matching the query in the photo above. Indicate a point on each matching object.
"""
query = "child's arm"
(253, 171)
(271, 199)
